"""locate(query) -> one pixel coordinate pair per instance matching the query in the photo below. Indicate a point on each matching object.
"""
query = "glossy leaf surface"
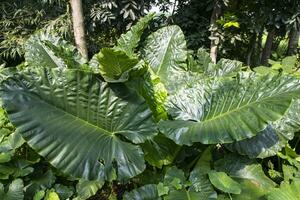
(78, 122)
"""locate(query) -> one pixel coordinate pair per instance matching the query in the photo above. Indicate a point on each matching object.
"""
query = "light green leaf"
(115, 65)
(93, 113)
(4, 157)
(224, 183)
(39, 195)
(265, 70)
(15, 191)
(219, 110)
(44, 50)
(165, 50)
(288, 63)
(162, 190)
(129, 41)
(286, 192)
(248, 173)
(51, 195)
(86, 189)
(186, 195)
(154, 92)
(226, 67)
(147, 192)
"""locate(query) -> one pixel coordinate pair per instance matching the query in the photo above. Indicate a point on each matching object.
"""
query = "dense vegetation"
(147, 119)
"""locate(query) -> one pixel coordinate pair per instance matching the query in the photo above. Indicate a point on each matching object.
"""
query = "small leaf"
(146, 192)
(162, 190)
(224, 183)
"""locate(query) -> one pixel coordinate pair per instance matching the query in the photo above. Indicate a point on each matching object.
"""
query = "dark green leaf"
(15, 191)
(219, 110)
(94, 114)
(147, 192)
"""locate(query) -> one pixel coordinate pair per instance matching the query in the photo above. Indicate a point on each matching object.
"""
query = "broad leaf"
(147, 192)
(226, 110)
(47, 50)
(154, 92)
(86, 189)
(15, 191)
(272, 139)
(165, 50)
(199, 178)
(115, 65)
(160, 151)
(129, 41)
(224, 183)
(78, 122)
(286, 192)
(203, 65)
(186, 195)
(64, 192)
(248, 173)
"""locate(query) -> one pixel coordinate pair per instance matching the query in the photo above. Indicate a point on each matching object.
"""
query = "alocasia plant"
(149, 105)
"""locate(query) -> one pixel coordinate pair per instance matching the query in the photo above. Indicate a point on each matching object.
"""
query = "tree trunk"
(78, 27)
(251, 50)
(214, 36)
(293, 41)
(268, 47)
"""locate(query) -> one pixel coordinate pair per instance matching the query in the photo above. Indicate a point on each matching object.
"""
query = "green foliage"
(135, 123)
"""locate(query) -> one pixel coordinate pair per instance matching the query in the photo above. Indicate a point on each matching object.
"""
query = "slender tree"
(78, 26)
(293, 41)
(214, 37)
(266, 53)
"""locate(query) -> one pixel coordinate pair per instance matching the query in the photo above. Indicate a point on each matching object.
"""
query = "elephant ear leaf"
(227, 110)
(15, 191)
(165, 51)
(129, 41)
(115, 65)
(224, 183)
(83, 126)
(47, 50)
(273, 138)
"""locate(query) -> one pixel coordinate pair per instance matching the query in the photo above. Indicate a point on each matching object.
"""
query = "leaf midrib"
(39, 99)
(242, 107)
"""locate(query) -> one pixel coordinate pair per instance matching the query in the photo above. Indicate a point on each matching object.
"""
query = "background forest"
(249, 31)
(189, 99)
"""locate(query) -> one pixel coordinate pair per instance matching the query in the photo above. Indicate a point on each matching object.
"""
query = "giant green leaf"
(47, 50)
(272, 139)
(81, 125)
(227, 110)
(286, 192)
(129, 41)
(14, 192)
(165, 50)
